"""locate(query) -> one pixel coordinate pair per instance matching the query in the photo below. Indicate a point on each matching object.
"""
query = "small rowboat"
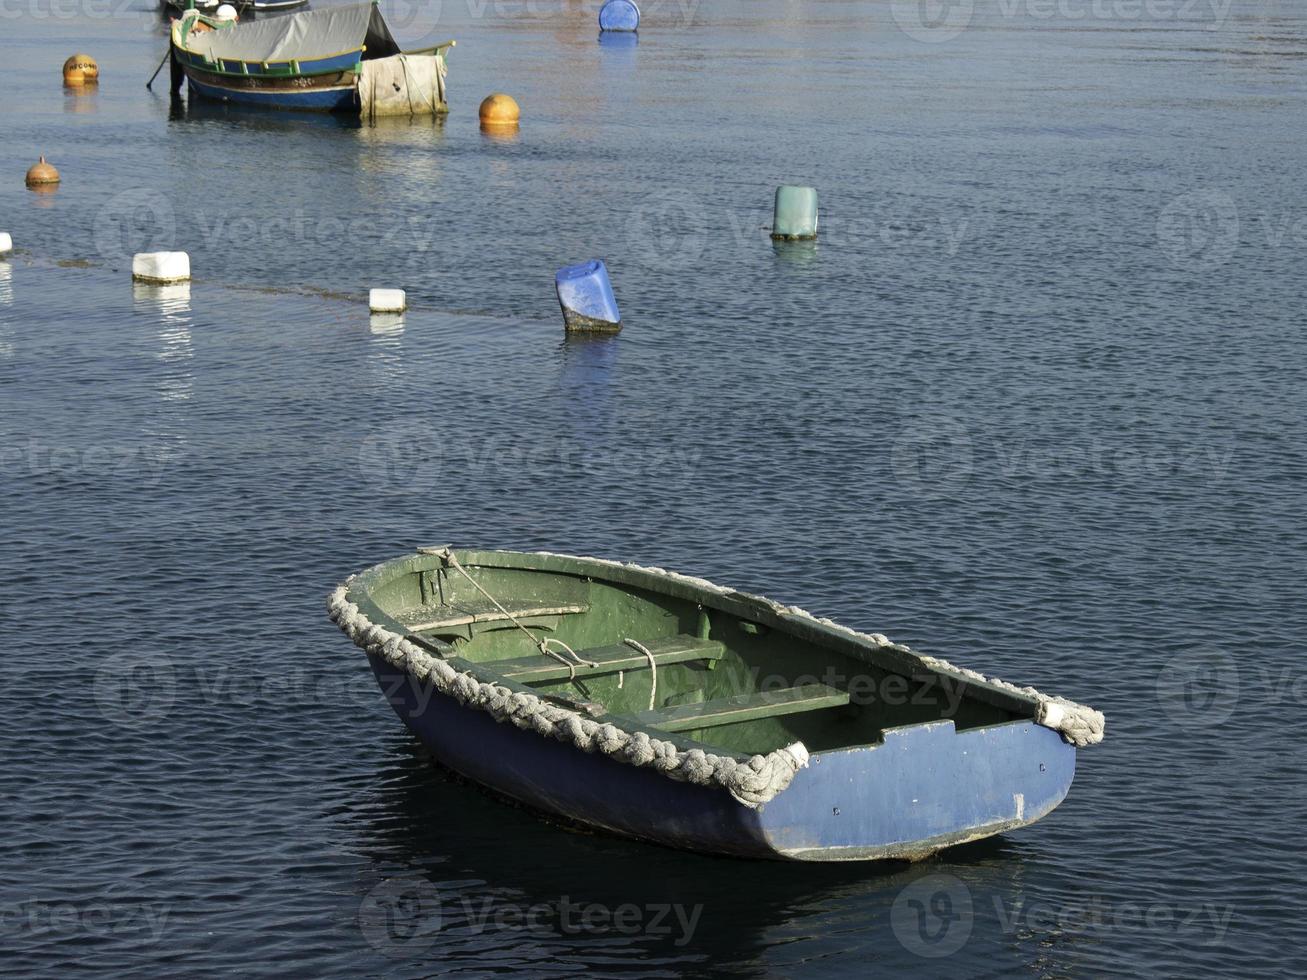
(339, 59)
(666, 708)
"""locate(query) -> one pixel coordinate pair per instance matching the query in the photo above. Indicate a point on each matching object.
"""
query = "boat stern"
(923, 788)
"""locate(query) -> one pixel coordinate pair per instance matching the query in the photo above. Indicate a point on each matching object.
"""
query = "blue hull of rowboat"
(339, 99)
(925, 787)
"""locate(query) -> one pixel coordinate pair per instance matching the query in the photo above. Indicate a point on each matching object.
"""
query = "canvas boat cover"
(403, 85)
(300, 37)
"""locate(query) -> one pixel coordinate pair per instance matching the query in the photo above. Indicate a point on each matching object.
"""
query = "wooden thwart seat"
(744, 707)
(673, 650)
(431, 618)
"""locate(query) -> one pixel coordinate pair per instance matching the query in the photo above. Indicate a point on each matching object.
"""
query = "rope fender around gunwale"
(752, 782)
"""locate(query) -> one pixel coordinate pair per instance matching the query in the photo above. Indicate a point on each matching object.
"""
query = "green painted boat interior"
(732, 674)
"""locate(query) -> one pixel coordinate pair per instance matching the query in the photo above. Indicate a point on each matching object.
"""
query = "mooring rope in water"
(653, 669)
(542, 644)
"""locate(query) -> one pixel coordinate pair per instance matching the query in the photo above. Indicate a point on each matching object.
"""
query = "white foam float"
(387, 301)
(161, 268)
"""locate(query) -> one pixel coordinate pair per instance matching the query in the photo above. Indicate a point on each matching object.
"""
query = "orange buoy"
(81, 69)
(499, 109)
(42, 174)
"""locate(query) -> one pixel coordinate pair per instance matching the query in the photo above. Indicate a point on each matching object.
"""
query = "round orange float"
(81, 69)
(499, 109)
(41, 174)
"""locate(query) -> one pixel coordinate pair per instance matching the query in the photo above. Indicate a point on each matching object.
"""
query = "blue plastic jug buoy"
(796, 213)
(619, 15)
(586, 296)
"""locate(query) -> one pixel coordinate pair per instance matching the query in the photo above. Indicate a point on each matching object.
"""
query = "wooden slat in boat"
(674, 650)
(744, 707)
(430, 618)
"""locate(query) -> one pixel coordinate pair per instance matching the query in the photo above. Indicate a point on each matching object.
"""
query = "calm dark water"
(1034, 402)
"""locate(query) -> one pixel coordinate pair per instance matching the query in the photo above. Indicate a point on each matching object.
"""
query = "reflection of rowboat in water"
(343, 59)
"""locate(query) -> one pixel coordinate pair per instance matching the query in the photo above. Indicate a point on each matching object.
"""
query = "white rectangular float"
(161, 268)
(387, 301)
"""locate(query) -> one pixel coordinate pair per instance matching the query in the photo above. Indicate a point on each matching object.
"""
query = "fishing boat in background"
(666, 708)
(339, 59)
